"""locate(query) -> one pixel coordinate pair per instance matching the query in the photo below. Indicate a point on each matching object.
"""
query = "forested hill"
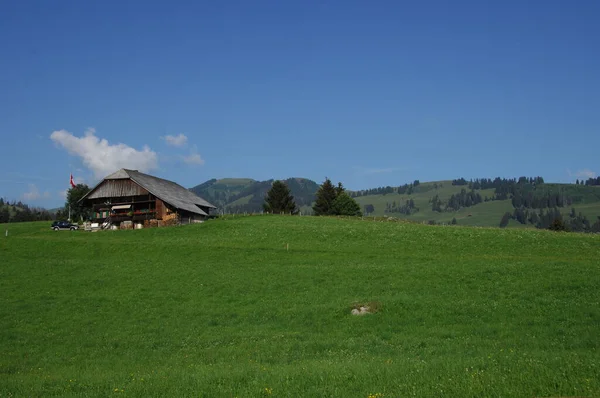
(239, 195)
(526, 201)
(17, 211)
(490, 202)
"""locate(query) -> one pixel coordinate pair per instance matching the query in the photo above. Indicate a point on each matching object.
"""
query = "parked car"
(64, 225)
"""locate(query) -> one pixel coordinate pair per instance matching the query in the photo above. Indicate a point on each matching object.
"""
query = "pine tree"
(505, 219)
(339, 189)
(325, 197)
(279, 199)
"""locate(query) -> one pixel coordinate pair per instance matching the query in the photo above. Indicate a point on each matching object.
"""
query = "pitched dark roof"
(168, 191)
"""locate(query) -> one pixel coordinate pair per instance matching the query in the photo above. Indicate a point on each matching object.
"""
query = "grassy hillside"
(482, 214)
(487, 215)
(224, 309)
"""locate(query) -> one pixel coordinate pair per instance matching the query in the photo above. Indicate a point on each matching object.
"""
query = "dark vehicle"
(63, 225)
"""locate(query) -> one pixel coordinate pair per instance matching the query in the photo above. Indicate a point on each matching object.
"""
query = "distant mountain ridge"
(523, 202)
(239, 195)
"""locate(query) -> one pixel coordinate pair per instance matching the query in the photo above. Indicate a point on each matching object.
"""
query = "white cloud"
(176, 140)
(103, 158)
(63, 194)
(193, 158)
(585, 173)
(34, 193)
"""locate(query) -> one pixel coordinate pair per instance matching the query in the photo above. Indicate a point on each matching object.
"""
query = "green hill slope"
(483, 214)
(585, 200)
(261, 306)
(491, 200)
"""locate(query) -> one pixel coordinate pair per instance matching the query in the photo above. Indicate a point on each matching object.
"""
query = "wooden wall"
(161, 209)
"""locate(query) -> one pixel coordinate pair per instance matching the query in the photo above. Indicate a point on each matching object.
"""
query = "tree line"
(540, 201)
(407, 189)
(589, 182)
(373, 191)
(551, 219)
(488, 183)
(527, 192)
(18, 211)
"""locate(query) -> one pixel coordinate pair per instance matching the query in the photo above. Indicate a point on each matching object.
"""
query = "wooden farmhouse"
(133, 197)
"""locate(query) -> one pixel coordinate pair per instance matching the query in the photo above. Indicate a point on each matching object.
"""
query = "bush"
(558, 225)
(344, 205)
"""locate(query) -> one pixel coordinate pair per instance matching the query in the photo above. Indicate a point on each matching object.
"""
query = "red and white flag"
(72, 181)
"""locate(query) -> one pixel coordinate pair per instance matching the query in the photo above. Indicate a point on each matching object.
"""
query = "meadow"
(260, 306)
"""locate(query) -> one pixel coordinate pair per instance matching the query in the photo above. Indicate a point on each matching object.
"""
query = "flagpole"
(71, 185)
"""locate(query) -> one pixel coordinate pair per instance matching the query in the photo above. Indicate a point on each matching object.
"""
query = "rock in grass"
(362, 310)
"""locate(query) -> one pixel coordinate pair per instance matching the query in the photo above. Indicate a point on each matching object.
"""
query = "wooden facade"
(124, 200)
(123, 208)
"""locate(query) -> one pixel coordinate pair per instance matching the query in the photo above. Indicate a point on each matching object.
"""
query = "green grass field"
(224, 309)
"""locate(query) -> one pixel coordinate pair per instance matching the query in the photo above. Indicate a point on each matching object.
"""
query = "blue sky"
(367, 93)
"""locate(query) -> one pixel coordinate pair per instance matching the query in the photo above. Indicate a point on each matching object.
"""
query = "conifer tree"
(279, 199)
(505, 219)
(339, 189)
(325, 197)
(333, 200)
